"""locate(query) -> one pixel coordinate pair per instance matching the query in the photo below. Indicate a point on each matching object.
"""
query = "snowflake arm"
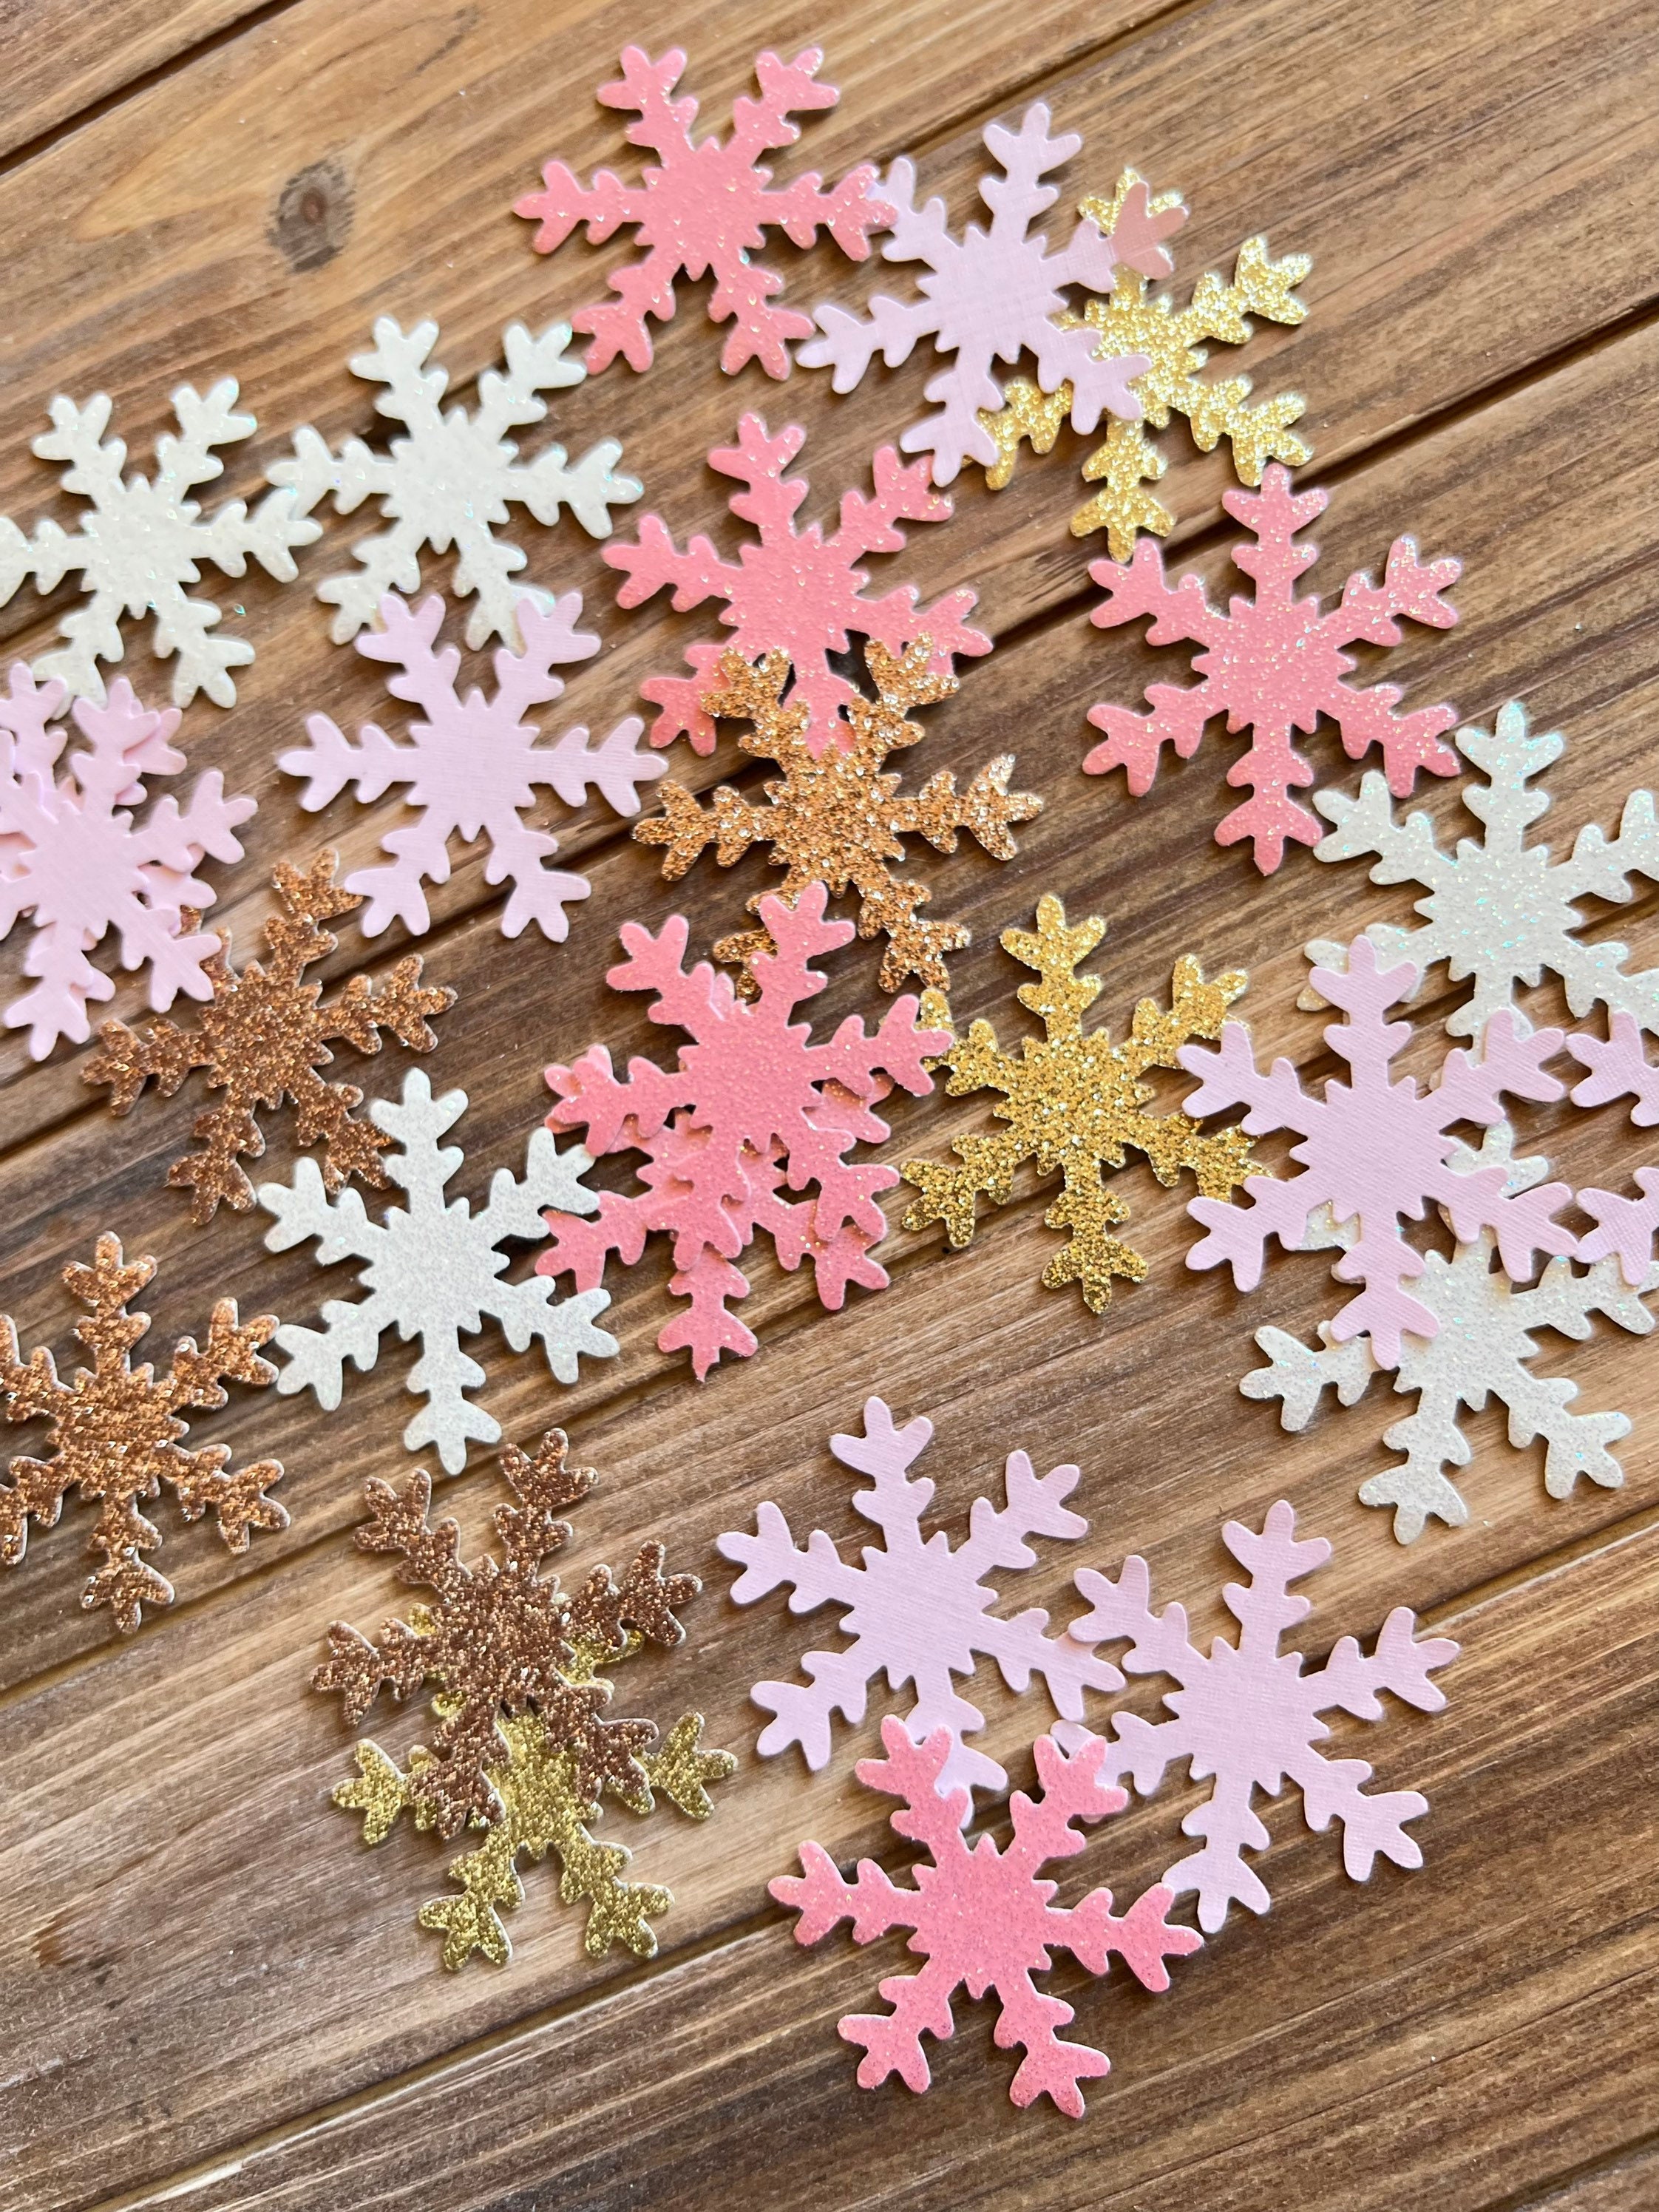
(1624, 1227)
(1618, 1069)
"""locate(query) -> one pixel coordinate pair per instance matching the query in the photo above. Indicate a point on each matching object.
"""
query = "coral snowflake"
(522, 1748)
(704, 208)
(796, 593)
(752, 1105)
(984, 1920)
(1273, 665)
(452, 477)
(73, 858)
(995, 293)
(114, 1430)
(263, 1038)
(1248, 1714)
(914, 1606)
(1074, 1102)
(836, 817)
(144, 541)
(432, 1268)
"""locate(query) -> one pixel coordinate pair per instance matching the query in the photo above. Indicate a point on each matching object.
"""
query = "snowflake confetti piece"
(1375, 1149)
(432, 1268)
(1273, 665)
(1618, 1069)
(914, 1606)
(703, 209)
(72, 857)
(115, 1430)
(996, 293)
(752, 1105)
(1074, 1101)
(796, 593)
(261, 1040)
(836, 817)
(472, 764)
(984, 1920)
(1248, 1715)
(452, 475)
(141, 544)
(1174, 340)
(522, 1749)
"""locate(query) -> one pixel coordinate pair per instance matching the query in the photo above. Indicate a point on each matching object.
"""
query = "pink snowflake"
(984, 1920)
(1249, 1714)
(1273, 665)
(72, 856)
(1618, 1069)
(1624, 1227)
(1376, 1148)
(703, 209)
(795, 591)
(752, 1106)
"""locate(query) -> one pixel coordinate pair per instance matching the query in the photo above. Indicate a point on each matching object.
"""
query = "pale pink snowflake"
(984, 1920)
(1618, 1069)
(705, 208)
(1273, 665)
(73, 858)
(793, 592)
(1248, 1714)
(1376, 1148)
(753, 1105)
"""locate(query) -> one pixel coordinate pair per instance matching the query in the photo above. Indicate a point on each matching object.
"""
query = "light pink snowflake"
(472, 765)
(1248, 1714)
(1618, 1069)
(1378, 1148)
(1273, 665)
(753, 1105)
(73, 858)
(794, 592)
(704, 208)
(984, 1920)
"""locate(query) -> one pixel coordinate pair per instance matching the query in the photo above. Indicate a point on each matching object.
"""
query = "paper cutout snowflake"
(753, 1104)
(522, 1749)
(914, 1606)
(1248, 1714)
(115, 1430)
(73, 858)
(1273, 665)
(472, 765)
(143, 541)
(1483, 1347)
(1619, 1068)
(1074, 1102)
(795, 592)
(1175, 342)
(434, 1269)
(984, 1920)
(703, 209)
(836, 816)
(1376, 1149)
(452, 477)
(1624, 1227)
(262, 1040)
(1500, 911)
(996, 293)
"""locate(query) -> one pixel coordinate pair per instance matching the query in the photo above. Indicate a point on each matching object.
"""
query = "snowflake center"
(112, 1422)
(1241, 1712)
(1502, 901)
(432, 1251)
(465, 788)
(702, 228)
(128, 527)
(1273, 666)
(976, 1890)
(1075, 1100)
(795, 595)
(1374, 1145)
(762, 1067)
(989, 302)
(922, 1610)
(272, 1029)
(453, 471)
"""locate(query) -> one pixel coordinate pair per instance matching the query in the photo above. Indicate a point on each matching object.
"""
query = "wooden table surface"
(210, 1993)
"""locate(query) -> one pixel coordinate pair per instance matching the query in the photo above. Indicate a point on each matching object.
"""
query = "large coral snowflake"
(1074, 1102)
(434, 1269)
(914, 1606)
(994, 294)
(984, 1920)
(72, 857)
(472, 764)
(704, 208)
(144, 542)
(753, 1104)
(1248, 1714)
(452, 477)
(1273, 665)
(796, 593)
(1377, 1149)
